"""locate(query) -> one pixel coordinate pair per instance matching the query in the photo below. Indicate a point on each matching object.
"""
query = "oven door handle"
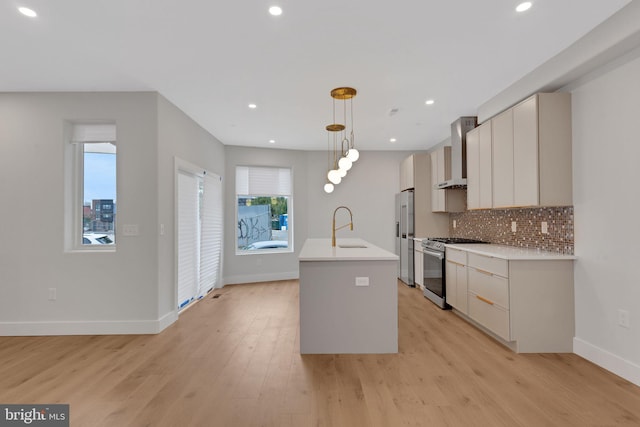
(438, 255)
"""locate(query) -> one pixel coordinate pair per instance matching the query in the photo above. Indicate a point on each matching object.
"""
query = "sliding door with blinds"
(199, 226)
(188, 238)
(210, 234)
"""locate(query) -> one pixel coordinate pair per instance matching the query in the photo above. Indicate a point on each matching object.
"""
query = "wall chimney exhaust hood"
(459, 129)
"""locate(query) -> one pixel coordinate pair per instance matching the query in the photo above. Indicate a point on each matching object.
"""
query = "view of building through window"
(99, 194)
(264, 207)
(263, 222)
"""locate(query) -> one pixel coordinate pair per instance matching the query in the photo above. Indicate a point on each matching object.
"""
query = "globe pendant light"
(340, 160)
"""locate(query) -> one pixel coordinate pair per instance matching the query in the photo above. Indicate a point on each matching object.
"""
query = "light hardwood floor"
(234, 361)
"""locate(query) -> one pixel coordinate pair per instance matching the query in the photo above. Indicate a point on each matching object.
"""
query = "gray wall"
(178, 137)
(606, 176)
(128, 291)
(94, 290)
(368, 190)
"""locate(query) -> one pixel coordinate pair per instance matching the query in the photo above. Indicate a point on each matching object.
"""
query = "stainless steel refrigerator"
(404, 236)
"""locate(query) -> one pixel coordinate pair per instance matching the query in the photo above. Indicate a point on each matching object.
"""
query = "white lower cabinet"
(456, 280)
(418, 265)
(527, 303)
(489, 301)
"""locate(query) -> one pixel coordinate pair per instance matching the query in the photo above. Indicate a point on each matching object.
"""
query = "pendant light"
(341, 156)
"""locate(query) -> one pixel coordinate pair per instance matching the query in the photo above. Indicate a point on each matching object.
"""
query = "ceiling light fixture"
(27, 12)
(392, 140)
(272, 141)
(523, 6)
(340, 160)
(429, 102)
(275, 10)
(253, 106)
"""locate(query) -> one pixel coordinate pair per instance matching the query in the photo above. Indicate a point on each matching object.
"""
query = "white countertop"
(510, 252)
(321, 250)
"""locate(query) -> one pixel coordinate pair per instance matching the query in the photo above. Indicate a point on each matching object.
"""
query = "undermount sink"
(352, 246)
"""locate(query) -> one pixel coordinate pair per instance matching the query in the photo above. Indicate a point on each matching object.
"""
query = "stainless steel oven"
(434, 278)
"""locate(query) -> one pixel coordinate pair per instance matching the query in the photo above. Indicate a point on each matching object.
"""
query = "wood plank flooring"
(234, 361)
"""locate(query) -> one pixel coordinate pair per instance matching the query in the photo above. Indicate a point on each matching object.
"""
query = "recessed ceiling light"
(429, 102)
(272, 141)
(275, 10)
(392, 140)
(27, 12)
(523, 6)
(253, 106)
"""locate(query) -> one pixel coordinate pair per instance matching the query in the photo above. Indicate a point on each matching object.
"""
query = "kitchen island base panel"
(336, 316)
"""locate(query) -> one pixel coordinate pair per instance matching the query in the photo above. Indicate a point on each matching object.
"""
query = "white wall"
(129, 291)
(606, 176)
(368, 191)
(96, 292)
(181, 137)
(259, 267)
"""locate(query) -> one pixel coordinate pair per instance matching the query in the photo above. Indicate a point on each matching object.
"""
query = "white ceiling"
(212, 58)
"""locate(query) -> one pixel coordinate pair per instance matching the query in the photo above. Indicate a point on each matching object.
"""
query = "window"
(91, 206)
(263, 210)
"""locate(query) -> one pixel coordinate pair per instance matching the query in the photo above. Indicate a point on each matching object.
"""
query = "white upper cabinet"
(532, 153)
(451, 200)
(502, 156)
(406, 174)
(479, 167)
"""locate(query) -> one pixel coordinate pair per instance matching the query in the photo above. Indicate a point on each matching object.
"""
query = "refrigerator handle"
(397, 229)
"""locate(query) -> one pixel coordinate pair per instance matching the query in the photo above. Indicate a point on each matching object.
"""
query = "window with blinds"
(263, 209)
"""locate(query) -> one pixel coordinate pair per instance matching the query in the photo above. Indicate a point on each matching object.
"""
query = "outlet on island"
(514, 226)
(362, 281)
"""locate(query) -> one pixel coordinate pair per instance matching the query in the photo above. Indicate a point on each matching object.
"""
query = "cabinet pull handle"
(484, 300)
(456, 263)
(484, 272)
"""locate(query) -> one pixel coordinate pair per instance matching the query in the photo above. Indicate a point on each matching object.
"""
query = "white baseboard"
(609, 361)
(262, 277)
(133, 327)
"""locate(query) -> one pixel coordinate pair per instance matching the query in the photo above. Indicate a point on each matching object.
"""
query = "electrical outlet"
(455, 224)
(162, 229)
(130, 230)
(362, 281)
(544, 227)
(514, 226)
(52, 294)
(623, 318)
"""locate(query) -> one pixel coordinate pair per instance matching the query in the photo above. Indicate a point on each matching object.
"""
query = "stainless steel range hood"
(459, 129)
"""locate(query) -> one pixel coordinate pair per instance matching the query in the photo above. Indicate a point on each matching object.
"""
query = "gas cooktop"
(451, 240)
(437, 243)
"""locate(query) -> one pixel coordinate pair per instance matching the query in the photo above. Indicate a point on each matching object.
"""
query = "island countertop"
(321, 250)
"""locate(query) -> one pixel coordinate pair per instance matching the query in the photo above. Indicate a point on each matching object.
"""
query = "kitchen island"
(348, 298)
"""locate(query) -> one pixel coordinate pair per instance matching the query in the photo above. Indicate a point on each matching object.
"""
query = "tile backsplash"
(495, 226)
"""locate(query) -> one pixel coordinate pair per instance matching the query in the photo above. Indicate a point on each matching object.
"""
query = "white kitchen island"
(348, 298)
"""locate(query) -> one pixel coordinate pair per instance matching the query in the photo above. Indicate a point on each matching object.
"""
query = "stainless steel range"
(434, 267)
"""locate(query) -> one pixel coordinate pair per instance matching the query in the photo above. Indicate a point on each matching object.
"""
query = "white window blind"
(211, 234)
(94, 133)
(258, 180)
(188, 238)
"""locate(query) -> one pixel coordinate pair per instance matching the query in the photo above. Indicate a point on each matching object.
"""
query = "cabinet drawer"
(489, 286)
(492, 317)
(489, 264)
(457, 256)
